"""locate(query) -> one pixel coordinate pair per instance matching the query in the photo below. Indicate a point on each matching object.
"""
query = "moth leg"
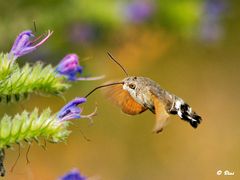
(161, 115)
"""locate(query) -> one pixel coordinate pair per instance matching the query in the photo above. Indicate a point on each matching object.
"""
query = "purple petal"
(211, 29)
(73, 175)
(24, 51)
(79, 69)
(69, 67)
(71, 110)
(22, 40)
(83, 33)
(23, 45)
(139, 11)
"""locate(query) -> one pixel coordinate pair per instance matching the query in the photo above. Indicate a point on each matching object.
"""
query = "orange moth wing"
(124, 100)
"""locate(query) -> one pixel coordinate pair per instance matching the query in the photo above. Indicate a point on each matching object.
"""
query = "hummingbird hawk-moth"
(135, 95)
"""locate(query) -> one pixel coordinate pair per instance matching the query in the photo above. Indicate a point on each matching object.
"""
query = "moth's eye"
(132, 86)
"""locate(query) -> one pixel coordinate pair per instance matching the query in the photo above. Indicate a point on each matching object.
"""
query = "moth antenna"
(112, 58)
(102, 86)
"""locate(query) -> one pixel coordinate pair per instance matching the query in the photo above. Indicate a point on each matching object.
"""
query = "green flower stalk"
(29, 127)
(16, 83)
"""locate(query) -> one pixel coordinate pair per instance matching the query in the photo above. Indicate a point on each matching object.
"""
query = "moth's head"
(131, 84)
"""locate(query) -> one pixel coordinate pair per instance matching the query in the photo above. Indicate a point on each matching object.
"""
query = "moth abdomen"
(185, 112)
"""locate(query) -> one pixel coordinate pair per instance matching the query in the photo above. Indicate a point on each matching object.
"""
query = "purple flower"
(73, 175)
(139, 11)
(72, 111)
(83, 33)
(211, 28)
(23, 45)
(214, 8)
(69, 67)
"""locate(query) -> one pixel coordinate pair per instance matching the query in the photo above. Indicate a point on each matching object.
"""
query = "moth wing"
(124, 100)
(161, 114)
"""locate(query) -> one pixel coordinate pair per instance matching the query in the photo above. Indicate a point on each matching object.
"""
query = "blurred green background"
(191, 47)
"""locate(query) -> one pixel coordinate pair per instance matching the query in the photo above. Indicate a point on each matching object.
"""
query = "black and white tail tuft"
(185, 112)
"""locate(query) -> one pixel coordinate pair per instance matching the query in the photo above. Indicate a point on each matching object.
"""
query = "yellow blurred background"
(191, 48)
